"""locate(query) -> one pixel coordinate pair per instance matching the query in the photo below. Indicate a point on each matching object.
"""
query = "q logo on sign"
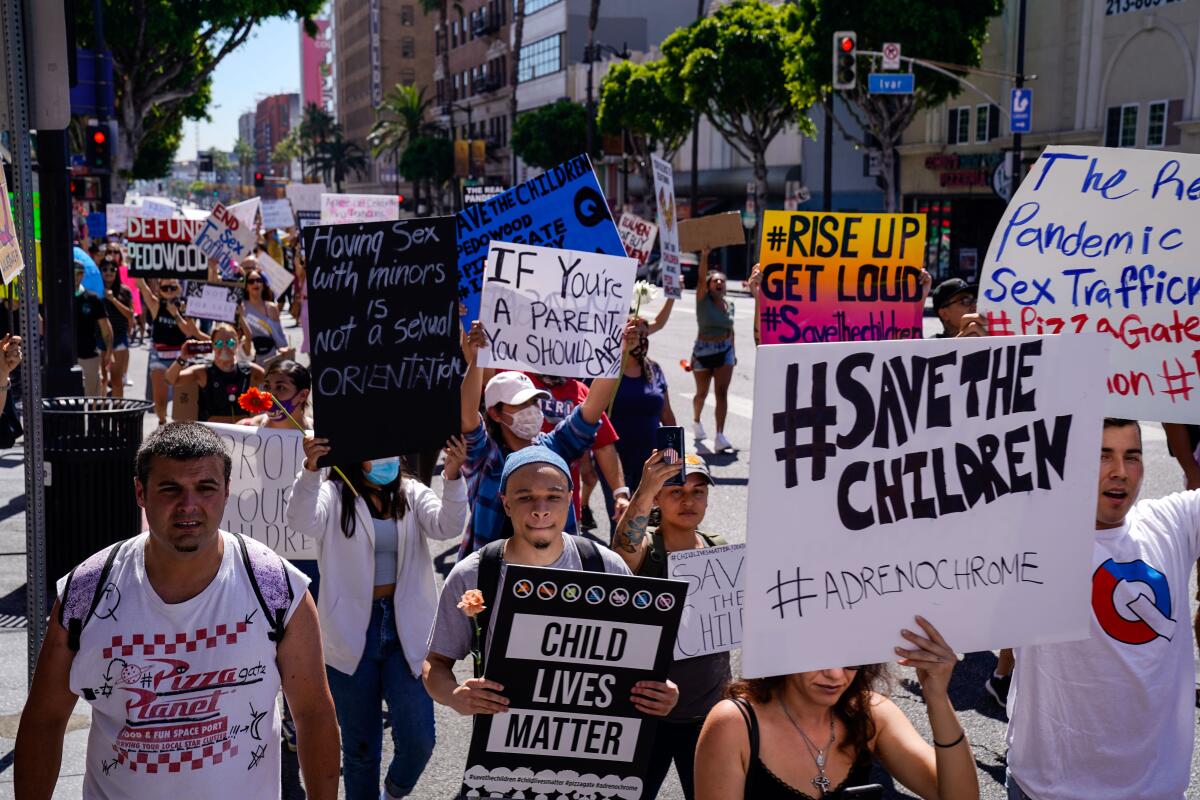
(590, 209)
(1132, 602)
(523, 588)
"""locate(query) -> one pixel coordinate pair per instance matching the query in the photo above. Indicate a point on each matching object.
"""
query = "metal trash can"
(90, 447)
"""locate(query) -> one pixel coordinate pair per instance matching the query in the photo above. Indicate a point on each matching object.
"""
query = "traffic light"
(206, 163)
(78, 189)
(259, 180)
(98, 148)
(845, 60)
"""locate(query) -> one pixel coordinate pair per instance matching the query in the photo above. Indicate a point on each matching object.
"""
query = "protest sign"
(563, 208)
(224, 237)
(638, 236)
(568, 653)
(210, 301)
(277, 214)
(480, 194)
(384, 336)
(712, 612)
(668, 222)
(834, 277)
(305, 196)
(555, 312)
(96, 225)
(711, 232)
(952, 478)
(1101, 240)
(11, 262)
(278, 278)
(247, 212)
(337, 209)
(156, 209)
(117, 216)
(306, 219)
(163, 248)
(265, 463)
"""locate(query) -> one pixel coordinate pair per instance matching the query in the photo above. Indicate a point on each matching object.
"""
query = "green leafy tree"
(729, 67)
(952, 33)
(287, 149)
(428, 162)
(316, 127)
(337, 156)
(635, 101)
(551, 134)
(400, 118)
(243, 151)
(164, 53)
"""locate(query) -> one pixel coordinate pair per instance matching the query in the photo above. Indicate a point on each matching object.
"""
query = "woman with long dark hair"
(814, 734)
(260, 315)
(118, 302)
(713, 354)
(371, 538)
(170, 328)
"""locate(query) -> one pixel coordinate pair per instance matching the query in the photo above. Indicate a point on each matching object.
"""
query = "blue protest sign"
(891, 83)
(1021, 110)
(96, 225)
(562, 208)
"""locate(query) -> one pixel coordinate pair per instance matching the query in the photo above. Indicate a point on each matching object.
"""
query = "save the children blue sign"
(563, 207)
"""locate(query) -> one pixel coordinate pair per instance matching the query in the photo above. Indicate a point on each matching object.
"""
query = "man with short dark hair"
(954, 302)
(180, 639)
(1111, 717)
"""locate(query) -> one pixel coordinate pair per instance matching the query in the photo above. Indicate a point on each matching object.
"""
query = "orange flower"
(254, 401)
(472, 603)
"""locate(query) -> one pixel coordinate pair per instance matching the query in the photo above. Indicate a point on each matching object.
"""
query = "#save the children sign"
(1104, 240)
(712, 613)
(567, 647)
(952, 478)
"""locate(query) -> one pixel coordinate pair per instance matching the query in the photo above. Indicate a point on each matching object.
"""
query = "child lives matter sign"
(836, 277)
(1104, 240)
(163, 248)
(384, 336)
(555, 312)
(952, 478)
(567, 647)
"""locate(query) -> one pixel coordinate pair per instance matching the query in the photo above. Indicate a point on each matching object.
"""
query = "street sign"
(902, 83)
(891, 55)
(1021, 111)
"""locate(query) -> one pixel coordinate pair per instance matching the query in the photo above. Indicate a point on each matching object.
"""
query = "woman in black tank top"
(220, 383)
(814, 734)
(171, 329)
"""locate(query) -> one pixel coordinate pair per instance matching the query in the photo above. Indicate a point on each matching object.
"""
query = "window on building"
(454, 33)
(987, 122)
(1156, 124)
(497, 7)
(457, 89)
(532, 6)
(408, 76)
(958, 127)
(1121, 126)
(540, 58)
(407, 16)
(441, 92)
(408, 47)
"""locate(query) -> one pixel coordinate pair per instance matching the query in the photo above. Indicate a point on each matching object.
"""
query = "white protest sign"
(637, 235)
(212, 301)
(247, 214)
(305, 196)
(555, 312)
(156, 209)
(952, 478)
(116, 216)
(1101, 240)
(11, 262)
(223, 236)
(712, 613)
(277, 214)
(338, 209)
(668, 227)
(265, 463)
(278, 278)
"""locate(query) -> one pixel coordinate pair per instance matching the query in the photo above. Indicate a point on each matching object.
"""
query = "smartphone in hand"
(669, 441)
(200, 348)
(872, 792)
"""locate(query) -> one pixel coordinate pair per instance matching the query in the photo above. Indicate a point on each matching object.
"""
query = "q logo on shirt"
(1122, 606)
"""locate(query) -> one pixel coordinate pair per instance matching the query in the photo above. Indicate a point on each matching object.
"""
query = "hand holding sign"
(479, 696)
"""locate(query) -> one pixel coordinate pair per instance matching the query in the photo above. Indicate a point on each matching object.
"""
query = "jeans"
(1014, 791)
(382, 674)
(673, 741)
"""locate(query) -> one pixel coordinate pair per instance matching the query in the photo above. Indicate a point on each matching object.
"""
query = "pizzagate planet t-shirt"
(182, 695)
(1111, 717)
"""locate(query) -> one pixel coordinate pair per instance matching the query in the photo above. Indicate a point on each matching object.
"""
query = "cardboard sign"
(1104, 241)
(568, 646)
(712, 613)
(11, 262)
(338, 209)
(277, 214)
(563, 208)
(952, 478)
(555, 312)
(278, 278)
(668, 227)
(305, 196)
(638, 237)
(265, 463)
(711, 232)
(224, 237)
(163, 248)
(209, 301)
(384, 336)
(834, 277)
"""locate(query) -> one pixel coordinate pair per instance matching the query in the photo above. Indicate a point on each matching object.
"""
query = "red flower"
(254, 401)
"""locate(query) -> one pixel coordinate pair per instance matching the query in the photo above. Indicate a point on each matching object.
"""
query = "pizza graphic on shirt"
(1132, 602)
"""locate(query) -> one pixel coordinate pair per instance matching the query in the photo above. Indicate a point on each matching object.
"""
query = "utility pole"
(1015, 177)
(827, 173)
(693, 199)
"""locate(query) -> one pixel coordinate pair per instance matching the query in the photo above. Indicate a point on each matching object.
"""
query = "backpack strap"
(271, 582)
(589, 554)
(84, 590)
(488, 582)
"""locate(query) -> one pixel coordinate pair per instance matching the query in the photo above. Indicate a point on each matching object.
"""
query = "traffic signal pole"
(1015, 176)
(63, 376)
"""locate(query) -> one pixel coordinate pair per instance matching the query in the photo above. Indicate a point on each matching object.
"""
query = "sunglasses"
(967, 301)
(219, 343)
(108, 269)
(252, 281)
(168, 289)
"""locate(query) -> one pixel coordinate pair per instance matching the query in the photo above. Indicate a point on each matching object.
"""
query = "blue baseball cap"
(534, 454)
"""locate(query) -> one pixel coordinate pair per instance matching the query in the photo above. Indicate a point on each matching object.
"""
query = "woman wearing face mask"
(260, 317)
(290, 383)
(220, 383)
(374, 562)
(118, 301)
(713, 354)
(171, 329)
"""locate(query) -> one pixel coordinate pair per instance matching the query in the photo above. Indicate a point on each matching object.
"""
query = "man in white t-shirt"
(1111, 717)
(168, 637)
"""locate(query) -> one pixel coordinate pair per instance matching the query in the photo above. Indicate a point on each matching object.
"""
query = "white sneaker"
(722, 444)
(698, 431)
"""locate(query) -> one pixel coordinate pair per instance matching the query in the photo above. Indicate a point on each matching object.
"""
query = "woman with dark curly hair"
(814, 734)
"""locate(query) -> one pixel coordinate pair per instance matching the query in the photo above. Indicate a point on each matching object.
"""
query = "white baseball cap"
(513, 388)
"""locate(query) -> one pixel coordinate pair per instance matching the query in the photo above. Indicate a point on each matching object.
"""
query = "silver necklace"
(818, 755)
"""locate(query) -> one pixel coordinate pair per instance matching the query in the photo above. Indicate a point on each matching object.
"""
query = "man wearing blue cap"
(535, 489)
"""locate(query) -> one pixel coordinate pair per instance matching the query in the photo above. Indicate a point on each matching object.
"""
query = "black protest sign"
(568, 647)
(384, 336)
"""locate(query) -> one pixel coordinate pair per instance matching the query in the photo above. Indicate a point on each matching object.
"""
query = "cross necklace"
(818, 754)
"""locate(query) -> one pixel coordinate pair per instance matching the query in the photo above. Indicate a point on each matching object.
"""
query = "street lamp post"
(448, 109)
(589, 57)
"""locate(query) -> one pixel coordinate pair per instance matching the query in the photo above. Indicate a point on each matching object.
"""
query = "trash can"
(90, 444)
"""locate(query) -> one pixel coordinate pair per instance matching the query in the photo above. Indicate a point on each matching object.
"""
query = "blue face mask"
(383, 470)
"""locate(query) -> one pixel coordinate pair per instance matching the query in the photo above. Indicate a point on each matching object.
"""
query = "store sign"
(958, 169)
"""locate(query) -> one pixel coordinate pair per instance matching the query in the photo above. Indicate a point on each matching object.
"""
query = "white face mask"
(527, 423)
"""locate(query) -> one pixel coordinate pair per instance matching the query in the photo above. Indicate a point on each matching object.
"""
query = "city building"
(1114, 74)
(246, 127)
(316, 66)
(376, 45)
(273, 118)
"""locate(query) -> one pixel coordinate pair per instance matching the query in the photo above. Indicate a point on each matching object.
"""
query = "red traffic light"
(99, 137)
(258, 176)
(846, 44)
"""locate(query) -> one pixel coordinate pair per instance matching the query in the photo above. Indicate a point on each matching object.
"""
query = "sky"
(267, 63)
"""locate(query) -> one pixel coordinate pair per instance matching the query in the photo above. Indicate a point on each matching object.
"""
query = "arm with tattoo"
(629, 540)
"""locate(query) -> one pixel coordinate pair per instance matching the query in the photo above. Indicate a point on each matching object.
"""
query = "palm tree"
(316, 127)
(405, 107)
(287, 149)
(338, 156)
(244, 152)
